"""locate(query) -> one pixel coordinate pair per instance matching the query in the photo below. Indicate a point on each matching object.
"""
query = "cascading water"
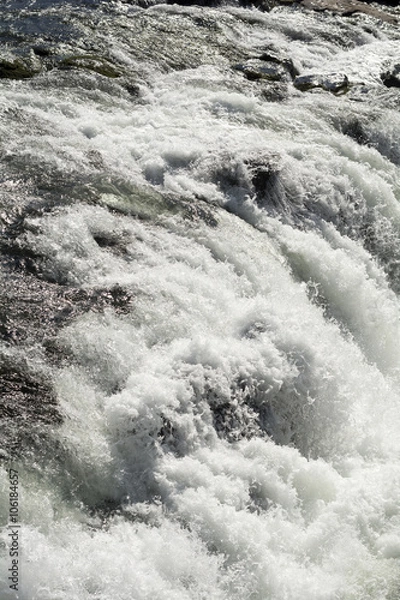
(200, 316)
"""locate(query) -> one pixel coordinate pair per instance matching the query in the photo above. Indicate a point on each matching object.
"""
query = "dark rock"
(31, 310)
(287, 63)
(255, 175)
(348, 7)
(266, 181)
(337, 83)
(18, 69)
(25, 393)
(270, 66)
(263, 5)
(391, 78)
(28, 404)
(355, 129)
(42, 51)
(255, 69)
(133, 89)
(275, 91)
(89, 62)
(208, 3)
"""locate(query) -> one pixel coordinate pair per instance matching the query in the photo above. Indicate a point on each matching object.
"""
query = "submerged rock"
(391, 78)
(355, 129)
(147, 203)
(265, 178)
(25, 393)
(337, 83)
(28, 403)
(32, 309)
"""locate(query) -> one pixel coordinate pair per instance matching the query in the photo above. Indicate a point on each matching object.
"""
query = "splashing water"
(200, 319)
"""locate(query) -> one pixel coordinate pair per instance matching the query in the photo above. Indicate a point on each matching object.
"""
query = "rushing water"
(200, 314)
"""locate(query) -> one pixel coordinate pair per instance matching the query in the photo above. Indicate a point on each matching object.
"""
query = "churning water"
(200, 315)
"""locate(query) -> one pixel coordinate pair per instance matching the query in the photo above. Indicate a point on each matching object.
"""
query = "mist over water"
(200, 314)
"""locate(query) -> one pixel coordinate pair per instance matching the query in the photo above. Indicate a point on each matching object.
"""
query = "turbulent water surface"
(200, 315)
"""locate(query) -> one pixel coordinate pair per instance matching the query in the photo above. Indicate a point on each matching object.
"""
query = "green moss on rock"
(17, 69)
(90, 62)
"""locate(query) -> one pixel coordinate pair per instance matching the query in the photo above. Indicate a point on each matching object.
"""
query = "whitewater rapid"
(201, 318)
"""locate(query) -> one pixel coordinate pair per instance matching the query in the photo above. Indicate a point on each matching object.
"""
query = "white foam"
(284, 523)
(160, 399)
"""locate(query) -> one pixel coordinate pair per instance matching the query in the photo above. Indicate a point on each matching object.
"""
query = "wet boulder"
(349, 7)
(337, 83)
(273, 56)
(391, 78)
(90, 62)
(15, 67)
(257, 69)
(263, 5)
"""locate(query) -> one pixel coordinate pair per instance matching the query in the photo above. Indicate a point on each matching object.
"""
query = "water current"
(199, 313)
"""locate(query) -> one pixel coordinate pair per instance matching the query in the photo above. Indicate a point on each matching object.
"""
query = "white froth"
(272, 310)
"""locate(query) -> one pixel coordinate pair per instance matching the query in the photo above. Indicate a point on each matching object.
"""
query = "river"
(200, 313)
